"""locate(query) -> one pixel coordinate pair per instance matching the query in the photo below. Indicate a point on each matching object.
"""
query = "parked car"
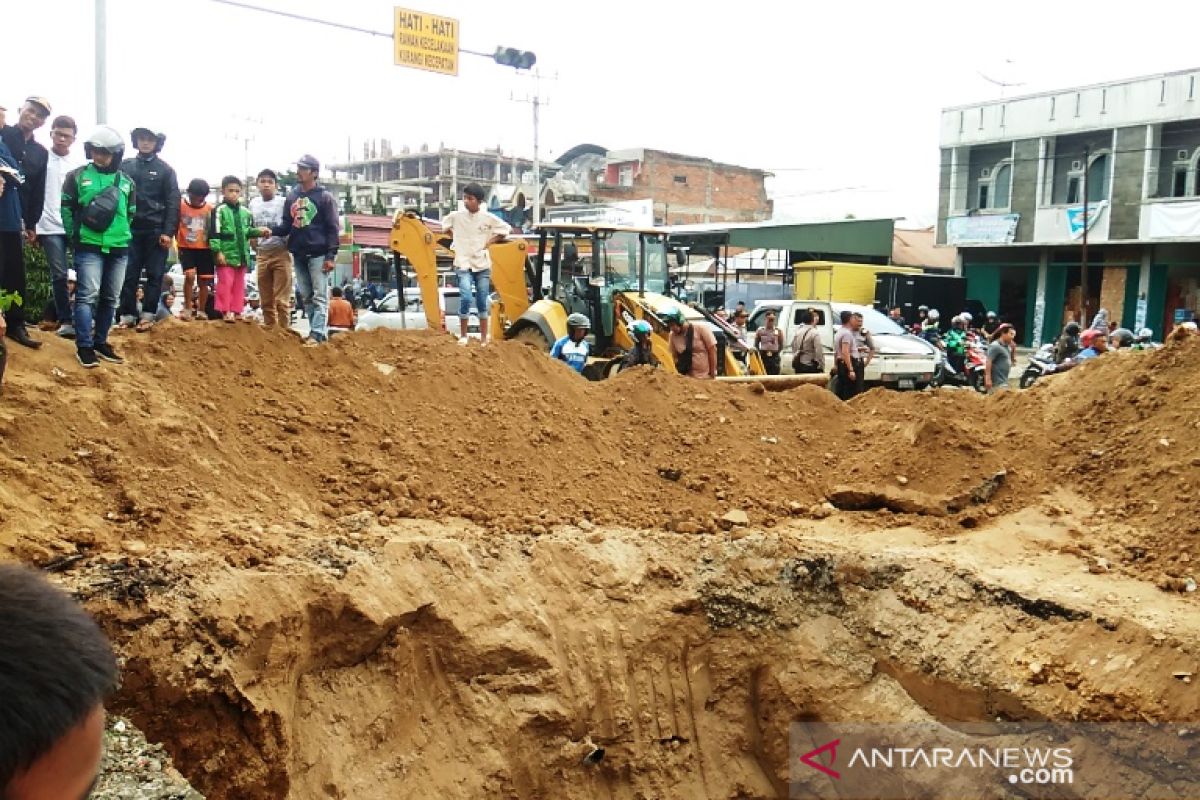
(386, 314)
(902, 361)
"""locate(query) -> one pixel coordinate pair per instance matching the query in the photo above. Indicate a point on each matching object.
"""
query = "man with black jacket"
(32, 158)
(313, 230)
(156, 221)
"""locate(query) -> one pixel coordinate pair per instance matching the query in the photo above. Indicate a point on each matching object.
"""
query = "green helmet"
(579, 321)
(672, 314)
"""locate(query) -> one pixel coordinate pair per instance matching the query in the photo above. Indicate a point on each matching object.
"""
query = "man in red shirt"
(341, 313)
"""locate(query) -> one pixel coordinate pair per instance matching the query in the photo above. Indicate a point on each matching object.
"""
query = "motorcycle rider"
(1094, 344)
(956, 344)
(1068, 344)
(930, 330)
(919, 325)
(642, 353)
(573, 349)
(1120, 338)
(990, 325)
(1144, 340)
(155, 224)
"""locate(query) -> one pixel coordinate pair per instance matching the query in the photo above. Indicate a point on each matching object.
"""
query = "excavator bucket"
(415, 242)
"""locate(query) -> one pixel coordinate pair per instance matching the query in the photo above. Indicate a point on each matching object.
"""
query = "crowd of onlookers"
(107, 223)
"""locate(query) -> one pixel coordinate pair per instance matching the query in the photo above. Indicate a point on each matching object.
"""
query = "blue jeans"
(97, 292)
(144, 254)
(473, 289)
(54, 245)
(312, 287)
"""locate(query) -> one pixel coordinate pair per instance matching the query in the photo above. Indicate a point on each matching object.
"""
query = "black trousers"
(145, 254)
(12, 275)
(847, 388)
(771, 362)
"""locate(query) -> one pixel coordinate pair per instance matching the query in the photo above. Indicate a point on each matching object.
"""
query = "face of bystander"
(146, 145)
(266, 187)
(307, 177)
(471, 202)
(232, 193)
(101, 158)
(61, 141)
(31, 118)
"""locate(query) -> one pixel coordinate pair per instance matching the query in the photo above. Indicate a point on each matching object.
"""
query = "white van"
(902, 361)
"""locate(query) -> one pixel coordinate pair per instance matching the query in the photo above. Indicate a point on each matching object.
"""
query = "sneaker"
(106, 352)
(86, 357)
(66, 331)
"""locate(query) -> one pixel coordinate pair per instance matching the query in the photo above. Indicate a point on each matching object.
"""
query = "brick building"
(684, 189)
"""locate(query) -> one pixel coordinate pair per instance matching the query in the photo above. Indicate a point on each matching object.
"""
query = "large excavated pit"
(399, 568)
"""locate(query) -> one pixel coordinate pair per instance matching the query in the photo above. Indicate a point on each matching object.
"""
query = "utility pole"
(101, 62)
(1083, 269)
(537, 103)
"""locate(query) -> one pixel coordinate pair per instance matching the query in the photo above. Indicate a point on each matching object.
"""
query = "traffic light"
(512, 57)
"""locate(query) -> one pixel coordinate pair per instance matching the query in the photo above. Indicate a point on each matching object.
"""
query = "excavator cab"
(586, 269)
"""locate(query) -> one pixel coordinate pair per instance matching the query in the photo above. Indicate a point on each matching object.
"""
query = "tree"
(377, 207)
(348, 202)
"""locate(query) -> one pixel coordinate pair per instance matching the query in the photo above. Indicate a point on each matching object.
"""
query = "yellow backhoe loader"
(614, 275)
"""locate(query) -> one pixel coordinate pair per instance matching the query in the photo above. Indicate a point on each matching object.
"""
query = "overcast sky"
(840, 100)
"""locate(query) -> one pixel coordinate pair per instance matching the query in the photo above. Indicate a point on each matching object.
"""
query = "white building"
(1014, 174)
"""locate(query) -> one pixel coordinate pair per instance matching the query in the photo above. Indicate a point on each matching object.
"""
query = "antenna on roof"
(1008, 62)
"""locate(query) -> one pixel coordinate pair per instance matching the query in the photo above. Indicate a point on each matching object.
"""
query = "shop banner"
(1075, 217)
(982, 229)
(1178, 220)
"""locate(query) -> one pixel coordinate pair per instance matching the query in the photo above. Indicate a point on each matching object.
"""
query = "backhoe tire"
(532, 336)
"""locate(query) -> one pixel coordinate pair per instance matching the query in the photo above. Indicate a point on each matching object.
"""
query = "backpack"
(101, 210)
(683, 361)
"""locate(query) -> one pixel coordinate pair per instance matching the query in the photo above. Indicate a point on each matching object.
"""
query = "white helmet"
(105, 138)
(934, 315)
(966, 315)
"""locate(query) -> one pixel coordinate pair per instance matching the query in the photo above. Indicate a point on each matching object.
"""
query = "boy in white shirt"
(473, 230)
(50, 232)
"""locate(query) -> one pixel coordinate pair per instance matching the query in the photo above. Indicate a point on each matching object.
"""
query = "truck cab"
(901, 360)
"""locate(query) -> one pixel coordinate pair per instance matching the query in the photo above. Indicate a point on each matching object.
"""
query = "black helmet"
(1072, 329)
(160, 138)
(1121, 337)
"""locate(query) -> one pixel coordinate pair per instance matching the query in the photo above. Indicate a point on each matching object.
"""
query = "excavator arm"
(412, 239)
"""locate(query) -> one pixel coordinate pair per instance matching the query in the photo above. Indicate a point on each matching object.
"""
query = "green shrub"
(37, 282)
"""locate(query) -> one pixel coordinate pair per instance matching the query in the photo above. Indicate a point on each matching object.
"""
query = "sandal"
(144, 325)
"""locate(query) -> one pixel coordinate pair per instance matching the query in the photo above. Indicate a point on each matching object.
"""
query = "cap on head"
(41, 103)
(308, 162)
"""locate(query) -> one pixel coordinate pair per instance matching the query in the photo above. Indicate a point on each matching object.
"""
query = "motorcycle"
(1041, 364)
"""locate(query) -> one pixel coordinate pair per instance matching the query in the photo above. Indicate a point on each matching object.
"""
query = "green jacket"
(229, 232)
(79, 188)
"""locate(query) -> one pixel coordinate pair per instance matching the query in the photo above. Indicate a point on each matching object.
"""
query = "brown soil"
(393, 566)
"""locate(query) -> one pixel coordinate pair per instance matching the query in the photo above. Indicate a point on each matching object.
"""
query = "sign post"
(424, 41)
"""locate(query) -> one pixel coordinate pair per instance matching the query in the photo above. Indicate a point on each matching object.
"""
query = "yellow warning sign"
(424, 41)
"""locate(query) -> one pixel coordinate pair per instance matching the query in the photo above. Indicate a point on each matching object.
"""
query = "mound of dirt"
(392, 566)
(208, 421)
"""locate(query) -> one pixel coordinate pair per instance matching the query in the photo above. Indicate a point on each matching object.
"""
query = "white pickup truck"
(901, 361)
